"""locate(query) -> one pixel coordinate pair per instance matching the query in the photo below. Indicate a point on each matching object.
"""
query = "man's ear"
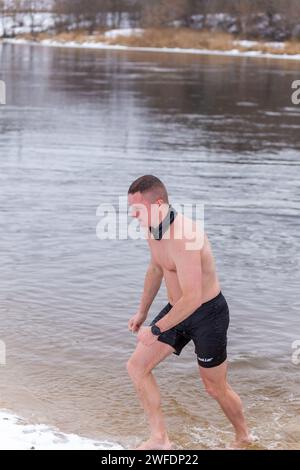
(160, 202)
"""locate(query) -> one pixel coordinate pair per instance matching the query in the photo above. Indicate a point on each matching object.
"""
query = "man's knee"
(130, 365)
(215, 390)
(137, 368)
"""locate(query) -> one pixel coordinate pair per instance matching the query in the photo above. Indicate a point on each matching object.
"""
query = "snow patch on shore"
(125, 32)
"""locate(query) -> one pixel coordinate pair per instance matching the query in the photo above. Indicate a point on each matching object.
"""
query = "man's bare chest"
(162, 256)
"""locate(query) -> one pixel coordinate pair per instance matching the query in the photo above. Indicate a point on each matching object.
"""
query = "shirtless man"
(197, 310)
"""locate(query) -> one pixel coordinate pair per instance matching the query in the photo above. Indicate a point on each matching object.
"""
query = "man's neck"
(167, 220)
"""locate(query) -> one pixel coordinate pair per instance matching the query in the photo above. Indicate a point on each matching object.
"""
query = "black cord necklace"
(158, 232)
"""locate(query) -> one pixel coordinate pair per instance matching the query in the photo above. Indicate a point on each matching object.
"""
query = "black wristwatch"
(155, 330)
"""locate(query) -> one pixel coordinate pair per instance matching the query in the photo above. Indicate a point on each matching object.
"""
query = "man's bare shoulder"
(188, 234)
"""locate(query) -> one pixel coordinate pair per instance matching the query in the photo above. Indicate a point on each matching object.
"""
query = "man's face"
(145, 210)
(140, 209)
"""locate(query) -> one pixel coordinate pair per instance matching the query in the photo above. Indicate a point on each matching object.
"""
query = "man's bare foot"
(153, 444)
(241, 443)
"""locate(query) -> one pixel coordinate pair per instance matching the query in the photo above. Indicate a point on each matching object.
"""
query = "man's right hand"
(136, 322)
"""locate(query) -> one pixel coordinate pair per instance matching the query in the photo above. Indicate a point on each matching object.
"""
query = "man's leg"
(139, 367)
(215, 381)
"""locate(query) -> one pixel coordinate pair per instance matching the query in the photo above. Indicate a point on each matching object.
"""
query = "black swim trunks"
(207, 327)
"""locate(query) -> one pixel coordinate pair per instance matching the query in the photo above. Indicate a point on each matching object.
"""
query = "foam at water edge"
(15, 435)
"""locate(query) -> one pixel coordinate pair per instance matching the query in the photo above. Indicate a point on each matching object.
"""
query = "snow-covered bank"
(99, 45)
(40, 16)
(46, 21)
(24, 23)
(15, 434)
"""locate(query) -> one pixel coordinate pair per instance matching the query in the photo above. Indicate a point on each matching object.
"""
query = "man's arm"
(152, 285)
(188, 266)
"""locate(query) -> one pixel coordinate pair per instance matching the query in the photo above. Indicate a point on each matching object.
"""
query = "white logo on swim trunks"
(204, 359)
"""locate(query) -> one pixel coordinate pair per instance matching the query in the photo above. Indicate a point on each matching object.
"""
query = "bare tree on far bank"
(276, 19)
(272, 19)
(94, 13)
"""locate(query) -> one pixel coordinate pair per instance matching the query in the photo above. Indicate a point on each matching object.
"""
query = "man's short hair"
(150, 184)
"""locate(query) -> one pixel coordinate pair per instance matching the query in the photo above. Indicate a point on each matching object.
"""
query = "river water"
(78, 127)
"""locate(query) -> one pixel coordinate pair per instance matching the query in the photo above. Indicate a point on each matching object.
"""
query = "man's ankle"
(159, 437)
(242, 435)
